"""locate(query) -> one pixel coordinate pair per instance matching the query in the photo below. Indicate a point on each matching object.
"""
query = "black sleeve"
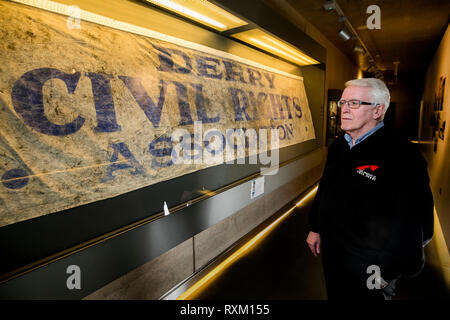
(313, 216)
(413, 213)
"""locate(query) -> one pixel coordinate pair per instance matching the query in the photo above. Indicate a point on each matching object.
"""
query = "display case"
(89, 98)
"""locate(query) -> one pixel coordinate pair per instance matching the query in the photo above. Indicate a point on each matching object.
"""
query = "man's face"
(358, 121)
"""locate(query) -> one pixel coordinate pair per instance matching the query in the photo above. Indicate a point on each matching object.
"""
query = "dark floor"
(281, 267)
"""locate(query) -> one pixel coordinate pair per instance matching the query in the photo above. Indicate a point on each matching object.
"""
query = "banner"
(93, 112)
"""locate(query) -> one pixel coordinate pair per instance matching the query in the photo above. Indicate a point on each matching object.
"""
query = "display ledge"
(32, 242)
(187, 289)
(110, 256)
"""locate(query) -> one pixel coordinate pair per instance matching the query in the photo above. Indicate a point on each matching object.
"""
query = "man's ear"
(378, 112)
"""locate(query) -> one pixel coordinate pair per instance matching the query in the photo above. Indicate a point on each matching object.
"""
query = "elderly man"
(373, 211)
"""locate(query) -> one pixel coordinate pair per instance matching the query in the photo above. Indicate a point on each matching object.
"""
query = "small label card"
(257, 187)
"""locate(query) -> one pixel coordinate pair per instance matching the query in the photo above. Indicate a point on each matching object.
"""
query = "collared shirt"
(348, 138)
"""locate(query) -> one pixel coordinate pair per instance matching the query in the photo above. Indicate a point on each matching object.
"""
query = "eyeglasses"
(353, 103)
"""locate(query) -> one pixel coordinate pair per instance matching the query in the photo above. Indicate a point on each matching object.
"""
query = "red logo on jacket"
(371, 167)
(362, 171)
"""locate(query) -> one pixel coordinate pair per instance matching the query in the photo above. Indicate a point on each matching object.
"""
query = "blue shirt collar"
(348, 138)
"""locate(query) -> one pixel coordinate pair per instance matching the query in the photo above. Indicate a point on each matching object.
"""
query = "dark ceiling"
(410, 30)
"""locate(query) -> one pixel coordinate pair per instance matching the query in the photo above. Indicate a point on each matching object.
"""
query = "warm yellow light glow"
(246, 247)
(264, 41)
(298, 204)
(203, 12)
(271, 48)
(360, 74)
(295, 52)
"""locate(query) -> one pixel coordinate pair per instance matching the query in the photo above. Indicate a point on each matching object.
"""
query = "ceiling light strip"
(273, 45)
(188, 12)
(281, 52)
(241, 251)
(202, 11)
(287, 48)
(67, 10)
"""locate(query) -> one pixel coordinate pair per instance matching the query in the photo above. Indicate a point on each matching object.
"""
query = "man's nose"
(345, 108)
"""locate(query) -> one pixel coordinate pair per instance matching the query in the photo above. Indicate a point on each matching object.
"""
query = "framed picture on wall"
(441, 126)
(441, 93)
(333, 115)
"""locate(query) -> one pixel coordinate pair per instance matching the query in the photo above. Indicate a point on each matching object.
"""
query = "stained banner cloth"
(90, 113)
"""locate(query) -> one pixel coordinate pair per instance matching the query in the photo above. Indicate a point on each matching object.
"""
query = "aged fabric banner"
(91, 113)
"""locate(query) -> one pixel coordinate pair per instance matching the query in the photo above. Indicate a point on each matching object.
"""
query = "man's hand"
(388, 288)
(313, 241)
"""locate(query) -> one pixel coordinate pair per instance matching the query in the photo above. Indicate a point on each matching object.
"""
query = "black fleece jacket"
(375, 200)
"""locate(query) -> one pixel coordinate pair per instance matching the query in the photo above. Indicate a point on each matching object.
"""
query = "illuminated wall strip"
(202, 11)
(242, 250)
(67, 10)
(287, 48)
(281, 52)
(178, 8)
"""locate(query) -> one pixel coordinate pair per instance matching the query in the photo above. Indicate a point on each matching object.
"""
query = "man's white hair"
(380, 92)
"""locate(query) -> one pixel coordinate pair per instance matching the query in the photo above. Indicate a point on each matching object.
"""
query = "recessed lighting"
(329, 5)
(203, 12)
(271, 44)
(344, 34)
(358, 48)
